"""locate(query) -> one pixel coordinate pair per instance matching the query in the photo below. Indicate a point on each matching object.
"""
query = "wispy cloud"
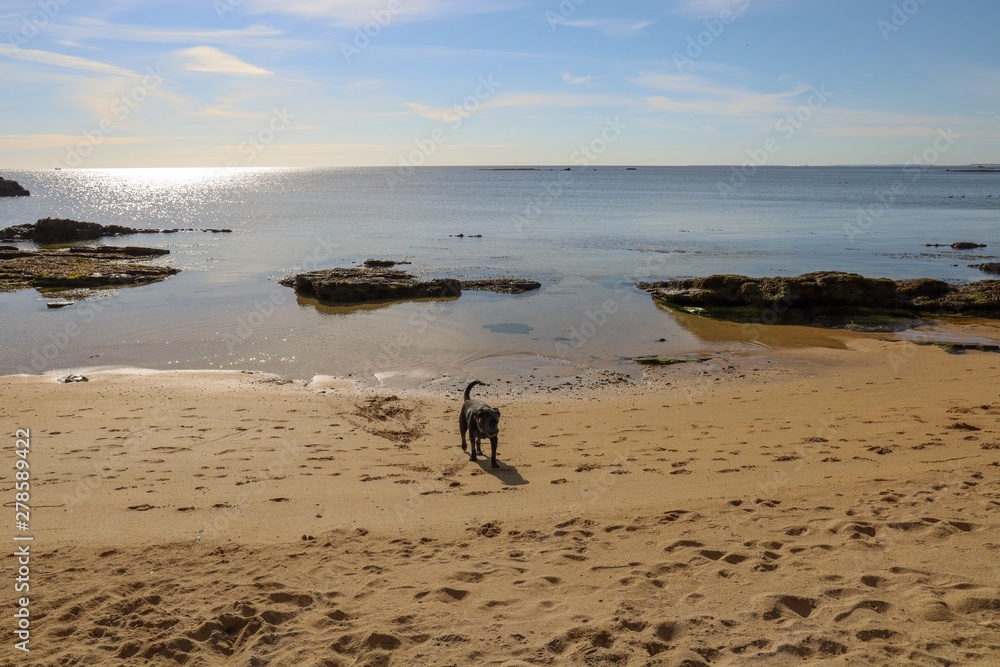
(424, 110)
(694, 94)
(358, 12)
(456, 52)
(62, 60)
(81, 30)
(703, 9)
(538, 101)
(610, 27)
(212, 60)
(27, 142)
(585, 81)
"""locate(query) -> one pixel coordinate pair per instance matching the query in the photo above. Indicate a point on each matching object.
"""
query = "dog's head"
(487, 421)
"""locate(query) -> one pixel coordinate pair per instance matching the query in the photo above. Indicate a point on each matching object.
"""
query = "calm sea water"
(587, 235)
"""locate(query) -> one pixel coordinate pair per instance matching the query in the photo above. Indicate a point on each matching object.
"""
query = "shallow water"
(587, 235)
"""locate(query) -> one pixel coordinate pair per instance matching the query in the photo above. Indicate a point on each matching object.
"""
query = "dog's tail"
(471, 385)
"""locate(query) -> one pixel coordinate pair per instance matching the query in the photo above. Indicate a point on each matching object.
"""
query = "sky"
(311, 83)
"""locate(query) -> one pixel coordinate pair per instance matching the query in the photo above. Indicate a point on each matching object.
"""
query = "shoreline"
(721, 343)
(783, 506)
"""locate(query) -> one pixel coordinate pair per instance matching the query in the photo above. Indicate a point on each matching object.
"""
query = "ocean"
(587, 235)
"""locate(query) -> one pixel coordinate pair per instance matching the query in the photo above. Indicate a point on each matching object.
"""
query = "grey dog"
(480, 420)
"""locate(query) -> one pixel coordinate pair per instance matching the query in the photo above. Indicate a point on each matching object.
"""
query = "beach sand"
(835, 505)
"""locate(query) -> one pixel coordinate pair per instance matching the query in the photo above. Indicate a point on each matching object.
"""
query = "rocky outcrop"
(376, 282)
(9, 188)
(826, 298)
(79, 267)
(359, 285)
(960, 245)
(501, 285)
(58, 230)
(988, 267)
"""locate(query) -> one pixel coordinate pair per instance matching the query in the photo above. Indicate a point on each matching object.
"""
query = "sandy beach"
(834, 505)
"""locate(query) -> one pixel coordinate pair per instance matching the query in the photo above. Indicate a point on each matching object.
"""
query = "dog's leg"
(493, 453)
(473, 442)
(463, 426)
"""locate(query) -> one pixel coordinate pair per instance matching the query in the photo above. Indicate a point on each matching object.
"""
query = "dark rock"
(111, 250)
(9, 188)
(381, 263)
(966, 245)
(55, 230)
(827, 298)
(501, 285)
(988, 267)
(359, 285)
(60, 304)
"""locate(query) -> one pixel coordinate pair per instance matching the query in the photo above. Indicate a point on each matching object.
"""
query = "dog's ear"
(498, 413)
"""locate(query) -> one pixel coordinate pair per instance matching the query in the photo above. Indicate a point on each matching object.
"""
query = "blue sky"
(211, 83)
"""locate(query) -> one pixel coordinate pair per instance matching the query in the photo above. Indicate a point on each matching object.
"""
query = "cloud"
(538, 101)
(586, 81)
(690, 93)
(88, 29)
(610, 27)
(359, 12)
(703, 9)
(212, 60)
(424, 110)
(62, 60)
(453, 52)
(28, 142)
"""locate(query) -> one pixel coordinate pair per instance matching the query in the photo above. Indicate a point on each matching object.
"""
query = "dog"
(480, 420)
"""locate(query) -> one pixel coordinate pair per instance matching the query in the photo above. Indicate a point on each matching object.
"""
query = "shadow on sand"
(508, 475)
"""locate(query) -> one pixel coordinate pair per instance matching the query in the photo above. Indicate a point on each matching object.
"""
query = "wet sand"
(833, 504)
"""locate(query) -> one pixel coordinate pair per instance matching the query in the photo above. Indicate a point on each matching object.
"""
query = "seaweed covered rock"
(501, 285)
(827, 298)
(79, 267)
(359, 285)
(988, 267)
